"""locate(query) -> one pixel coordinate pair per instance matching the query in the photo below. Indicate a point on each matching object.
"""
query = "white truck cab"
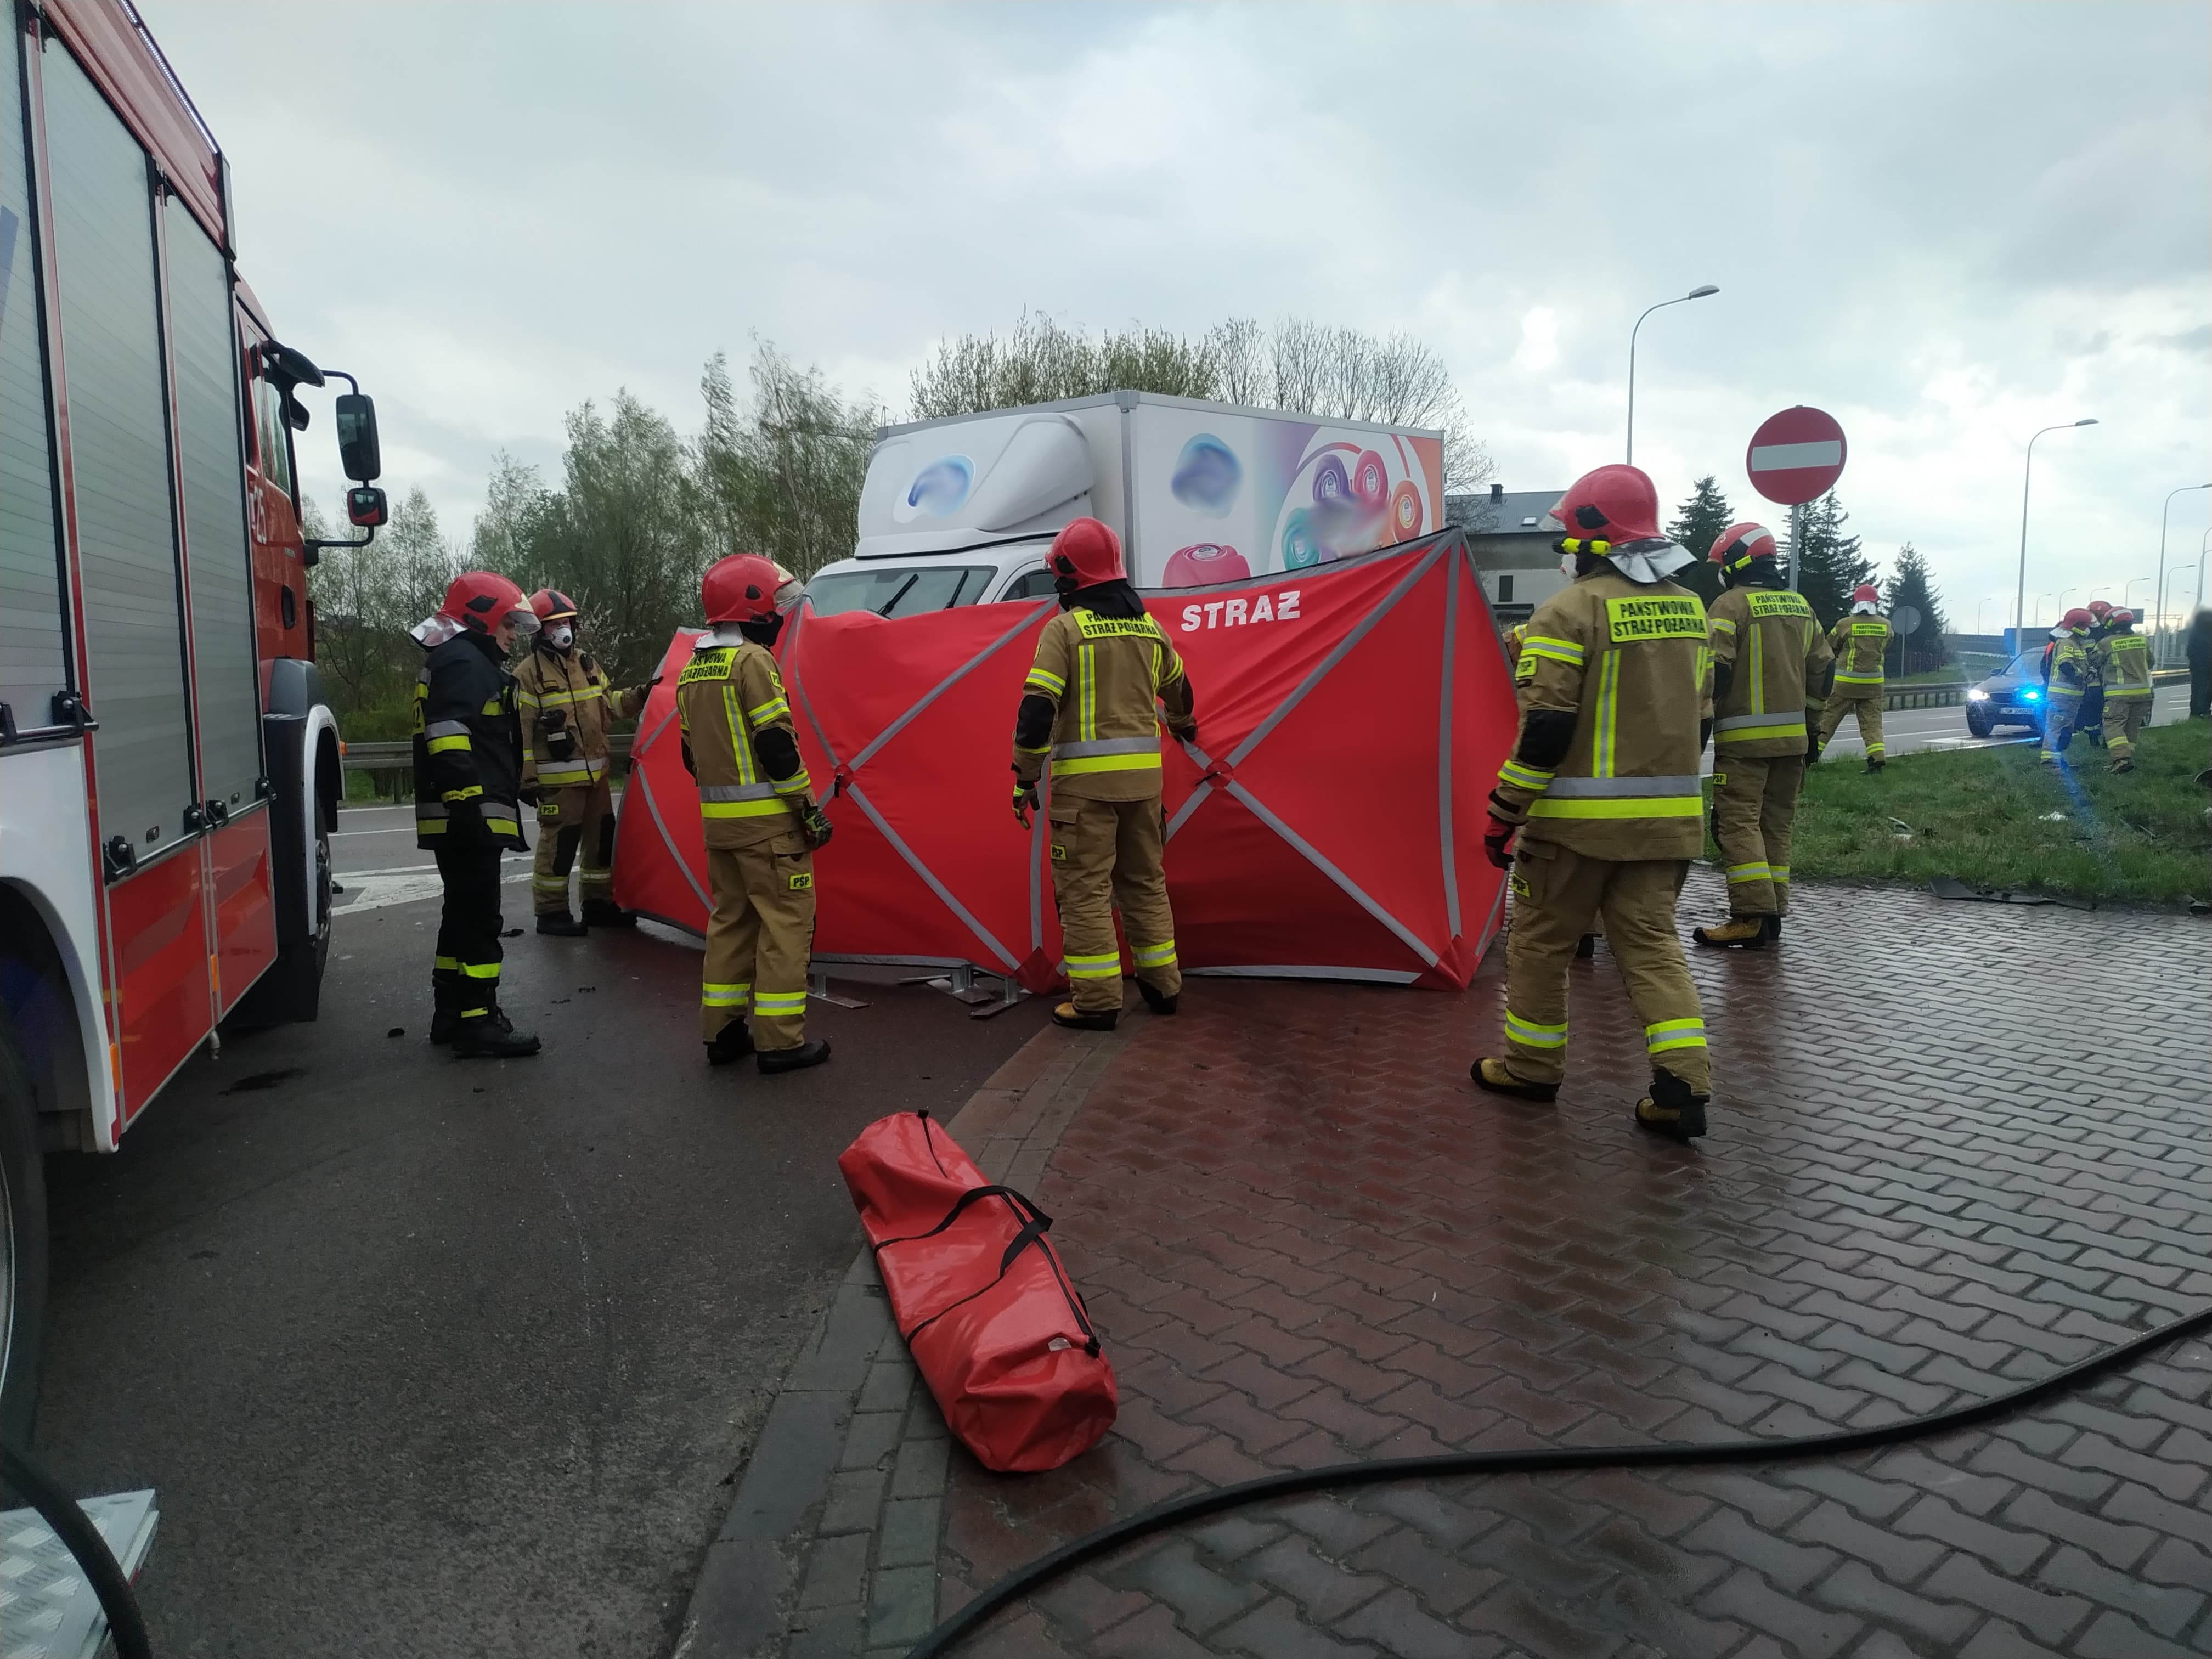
(962, 511)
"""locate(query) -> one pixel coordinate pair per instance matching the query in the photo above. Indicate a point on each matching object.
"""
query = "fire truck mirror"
(358, 453)
(366, 507)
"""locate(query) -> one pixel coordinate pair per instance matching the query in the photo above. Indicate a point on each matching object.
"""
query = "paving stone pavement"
(1306, 1239)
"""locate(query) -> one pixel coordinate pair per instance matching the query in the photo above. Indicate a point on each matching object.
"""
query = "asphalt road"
(436, 1357)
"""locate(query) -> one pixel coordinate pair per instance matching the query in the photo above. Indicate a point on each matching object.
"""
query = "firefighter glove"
(1025, 797)
(814, 826)
(1811, 747)
(528, 793)
(1498, 841)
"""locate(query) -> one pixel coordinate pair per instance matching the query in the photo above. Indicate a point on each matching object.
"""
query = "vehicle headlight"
(1977, 695)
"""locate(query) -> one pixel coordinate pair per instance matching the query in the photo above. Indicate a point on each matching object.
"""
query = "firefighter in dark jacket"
(1091, 706)
(568, 711)
(468, 775)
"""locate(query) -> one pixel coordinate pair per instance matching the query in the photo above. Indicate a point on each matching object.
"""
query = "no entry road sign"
(1795, 456)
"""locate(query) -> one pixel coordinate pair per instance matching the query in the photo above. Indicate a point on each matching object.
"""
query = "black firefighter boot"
(733, 1041)
(1773, 929)
(444, 1005)
(1155, 999)
(606, 913)
(1670, 1109)
(561, 924)
(492, 1035)
(812, 1052)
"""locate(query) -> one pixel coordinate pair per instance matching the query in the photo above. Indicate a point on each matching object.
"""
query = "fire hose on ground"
(1176, 1511)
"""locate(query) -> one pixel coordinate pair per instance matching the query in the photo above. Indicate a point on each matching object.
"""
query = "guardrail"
(1922, 697)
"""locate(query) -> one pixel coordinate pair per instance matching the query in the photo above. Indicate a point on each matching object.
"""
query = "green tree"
(1925, 647)
(1697, 527)
(1829, 563)
(366, 598)
(782, 476)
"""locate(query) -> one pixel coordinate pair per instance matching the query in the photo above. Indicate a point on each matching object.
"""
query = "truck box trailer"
(960, 510)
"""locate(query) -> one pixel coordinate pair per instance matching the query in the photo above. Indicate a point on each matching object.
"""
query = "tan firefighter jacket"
(1108, 680)
(2126, 667)
(1860, 641)
(728, 695)
(568, 711)
(2070, 669)
(1782, 666)
(1629, 662)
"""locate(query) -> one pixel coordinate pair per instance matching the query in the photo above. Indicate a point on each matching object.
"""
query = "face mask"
(560, 636)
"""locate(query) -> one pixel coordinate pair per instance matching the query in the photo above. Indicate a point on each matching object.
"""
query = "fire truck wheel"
(23, 1245)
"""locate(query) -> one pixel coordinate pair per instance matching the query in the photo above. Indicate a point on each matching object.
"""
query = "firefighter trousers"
(2059, 709)
(465, 974)
(1755, 806)
(759, 940)
(1108, 855)
(1868, 701)
(1556, 893)
(579, 819)
(2125, 716)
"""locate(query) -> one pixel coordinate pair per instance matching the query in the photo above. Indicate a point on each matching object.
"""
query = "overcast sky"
(1947, 224)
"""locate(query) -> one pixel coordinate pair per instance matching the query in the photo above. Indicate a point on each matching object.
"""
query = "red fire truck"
(169, 769)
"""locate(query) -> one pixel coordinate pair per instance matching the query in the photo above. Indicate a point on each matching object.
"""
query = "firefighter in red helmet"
(2126, 675)
(468, 775)
(2067, 668)
(1860, 644)
(1603, 790)
(1770, 670)
(1090, 714)
(761, 825)
(567, 712)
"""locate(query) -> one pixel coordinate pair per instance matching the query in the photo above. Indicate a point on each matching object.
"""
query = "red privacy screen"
(1327, 823)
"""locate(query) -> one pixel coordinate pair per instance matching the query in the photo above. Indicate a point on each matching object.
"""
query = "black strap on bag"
(1035, 1225)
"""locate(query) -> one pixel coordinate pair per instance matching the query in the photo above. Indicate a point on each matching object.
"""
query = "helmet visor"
(525, 620)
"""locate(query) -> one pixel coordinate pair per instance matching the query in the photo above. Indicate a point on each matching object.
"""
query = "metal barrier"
(392, 764)
(1922, 697)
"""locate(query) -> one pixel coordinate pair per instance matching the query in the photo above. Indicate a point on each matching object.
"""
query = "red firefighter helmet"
(2077, 619)
(1089, 551)
(1613, 503)
(740, 588)
(481, 599)
(551, 604)
(2122, 619)
(1740, 543)
(1865, 593)
(2100, 609)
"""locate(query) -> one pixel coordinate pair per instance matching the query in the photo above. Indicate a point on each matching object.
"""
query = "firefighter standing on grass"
(2127, 688)
(761, 823)
(2066, 667)
(1092, 706)
(567, 710)
(1770, 668)
(1860, 641)
(468, 764)
(1603, 790)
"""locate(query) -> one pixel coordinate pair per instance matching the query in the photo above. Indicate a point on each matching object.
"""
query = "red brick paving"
(1306, 1239)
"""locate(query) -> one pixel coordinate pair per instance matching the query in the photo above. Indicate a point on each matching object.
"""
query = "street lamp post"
(2040, 599)
(2127, 600)
(1980, 605)
(2157, 621)
(1697, 293)
(2163, 593)
(2020, 593)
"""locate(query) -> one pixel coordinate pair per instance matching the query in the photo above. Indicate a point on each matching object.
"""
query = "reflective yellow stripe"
(1722, 624)
(1758, 671)
(474, 1013)
(1624, 806)
(1531, 1035)
(1858, 680)
(450, 965)
(1527, 777)
(430, 826)
(1780, 876)
(766, 711)
(438, 745)
(1750, 872)
(778, 1005)
(1765, 729)
(1565, 651)
(1108, 966)
(495, 705)
(797, 784)
(740, 809)
(1088, 702)
(1153, 956)
(480, 969)
(1045, 680)
(564, 776)
(470, 792)
(1609, 714)
(503, 826)
(1105, 763)
(1674, 1034)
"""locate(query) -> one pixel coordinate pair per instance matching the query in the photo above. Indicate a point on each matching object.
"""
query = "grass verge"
(1986, 816)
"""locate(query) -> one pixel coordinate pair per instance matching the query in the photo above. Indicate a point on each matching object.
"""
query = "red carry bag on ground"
(982, 1298)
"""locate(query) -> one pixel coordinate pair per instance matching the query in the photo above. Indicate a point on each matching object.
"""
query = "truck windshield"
(902, 591)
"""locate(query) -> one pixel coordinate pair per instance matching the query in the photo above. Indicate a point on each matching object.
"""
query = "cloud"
(1948, 225)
